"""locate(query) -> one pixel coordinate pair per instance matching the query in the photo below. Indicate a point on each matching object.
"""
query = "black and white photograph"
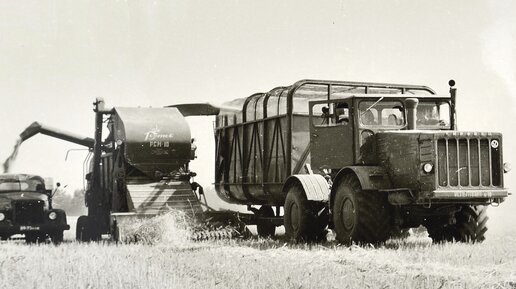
(257, 144)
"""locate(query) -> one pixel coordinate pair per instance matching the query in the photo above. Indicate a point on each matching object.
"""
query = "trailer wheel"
(471, 224)
(57, 237)
(300, 218)
(265, 228)
(358, 216)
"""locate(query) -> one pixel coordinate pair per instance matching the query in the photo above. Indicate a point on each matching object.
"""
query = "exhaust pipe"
(411, 105)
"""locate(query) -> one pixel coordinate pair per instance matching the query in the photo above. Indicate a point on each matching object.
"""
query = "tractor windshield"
(381, 113)
(20, 183)
(433, 115)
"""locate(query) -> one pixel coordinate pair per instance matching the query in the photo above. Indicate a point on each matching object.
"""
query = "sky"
(56, 57)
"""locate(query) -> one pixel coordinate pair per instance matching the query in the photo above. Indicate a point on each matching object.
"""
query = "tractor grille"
(469, 162)
(29, 212)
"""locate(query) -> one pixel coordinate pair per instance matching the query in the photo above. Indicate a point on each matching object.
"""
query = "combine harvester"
(140, 168)
(367, 160)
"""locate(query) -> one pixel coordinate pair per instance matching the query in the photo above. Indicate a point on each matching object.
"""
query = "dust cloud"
(10, 160)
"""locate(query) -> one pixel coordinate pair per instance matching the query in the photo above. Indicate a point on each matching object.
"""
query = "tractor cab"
(341, 128)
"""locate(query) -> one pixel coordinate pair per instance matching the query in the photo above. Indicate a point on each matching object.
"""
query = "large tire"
(82, 231)
(300, 218)
(265, 228)
(470, 227)
(471, 224)
(358, 216)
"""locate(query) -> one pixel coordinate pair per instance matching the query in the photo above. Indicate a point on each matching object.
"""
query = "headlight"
(506, 167)
(428, 167)
(2, 217)
(52, 215)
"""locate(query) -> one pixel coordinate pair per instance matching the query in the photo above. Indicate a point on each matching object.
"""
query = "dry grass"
(174, 261)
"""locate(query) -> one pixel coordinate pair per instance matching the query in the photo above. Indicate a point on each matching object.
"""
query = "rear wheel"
(302, 219)
(82, 230)
(265, 228)
(358, 216)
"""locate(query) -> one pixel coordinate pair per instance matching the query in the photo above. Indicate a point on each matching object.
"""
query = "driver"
(426, 116)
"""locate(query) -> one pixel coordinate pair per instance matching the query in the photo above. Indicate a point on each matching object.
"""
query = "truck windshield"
(12, 183)
(433, 115)
(381, 113)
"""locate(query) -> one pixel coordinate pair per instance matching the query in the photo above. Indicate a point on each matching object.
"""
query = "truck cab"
(26, 208)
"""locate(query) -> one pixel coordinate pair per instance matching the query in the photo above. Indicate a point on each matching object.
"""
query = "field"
(175, 262)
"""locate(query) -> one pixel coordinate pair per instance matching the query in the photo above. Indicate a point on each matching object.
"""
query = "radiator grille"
(29, 212)
(468, 162)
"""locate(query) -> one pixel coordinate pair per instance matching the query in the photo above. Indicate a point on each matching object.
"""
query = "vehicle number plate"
(29, 228)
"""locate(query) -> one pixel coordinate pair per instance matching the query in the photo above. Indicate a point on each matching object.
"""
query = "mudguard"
(315, 186)
(371, 178)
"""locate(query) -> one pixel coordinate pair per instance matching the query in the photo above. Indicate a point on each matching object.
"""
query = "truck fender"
(315, 186)
(371, 178)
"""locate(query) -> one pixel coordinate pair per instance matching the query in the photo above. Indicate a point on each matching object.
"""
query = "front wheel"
(302, 219)
(471, 224)
(358, 216)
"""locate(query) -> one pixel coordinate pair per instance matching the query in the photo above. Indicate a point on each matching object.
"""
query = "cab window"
(433, 115)
(382, 114)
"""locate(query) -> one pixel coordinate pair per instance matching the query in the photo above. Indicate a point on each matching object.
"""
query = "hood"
(7, 198)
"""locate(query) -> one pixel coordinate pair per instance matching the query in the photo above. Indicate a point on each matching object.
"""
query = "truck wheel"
(300, 219)
(82, 229)
(363, 217)
(265, 228)
(57, 237)
(471, 224)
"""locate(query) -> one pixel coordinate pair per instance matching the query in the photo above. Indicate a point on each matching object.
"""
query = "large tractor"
(364, 159)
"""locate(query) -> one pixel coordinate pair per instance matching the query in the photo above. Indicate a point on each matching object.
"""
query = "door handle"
(315, 135)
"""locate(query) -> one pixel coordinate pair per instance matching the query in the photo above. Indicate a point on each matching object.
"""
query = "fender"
(371, 178)
(315, 186)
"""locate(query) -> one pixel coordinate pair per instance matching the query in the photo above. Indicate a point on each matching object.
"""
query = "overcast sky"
(57, 56)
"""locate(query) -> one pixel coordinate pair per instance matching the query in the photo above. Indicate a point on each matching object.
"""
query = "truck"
(26, 208)
(363, 159)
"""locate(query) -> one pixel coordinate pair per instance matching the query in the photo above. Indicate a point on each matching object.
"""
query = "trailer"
(363, 159)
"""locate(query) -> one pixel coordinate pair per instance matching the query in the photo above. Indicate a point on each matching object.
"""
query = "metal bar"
(479, 163)
(367, 85)
(469, 162)
(458, 161)
(437, 162)
(447, 164)
(490, 162)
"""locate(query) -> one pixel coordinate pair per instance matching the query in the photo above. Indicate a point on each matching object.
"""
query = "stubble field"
(173, 261)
